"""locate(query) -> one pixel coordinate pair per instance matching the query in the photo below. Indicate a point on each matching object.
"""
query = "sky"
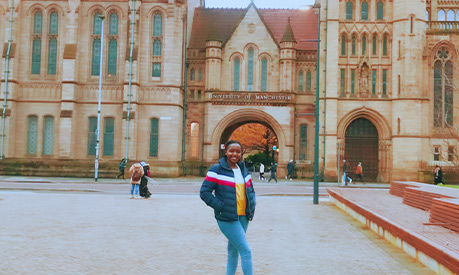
(262, 4)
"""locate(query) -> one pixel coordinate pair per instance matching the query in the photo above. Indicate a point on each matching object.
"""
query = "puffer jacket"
(220, 178)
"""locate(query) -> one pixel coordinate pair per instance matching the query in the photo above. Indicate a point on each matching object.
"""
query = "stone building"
(388, 70)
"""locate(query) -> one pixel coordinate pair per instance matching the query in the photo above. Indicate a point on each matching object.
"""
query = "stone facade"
(237, 66)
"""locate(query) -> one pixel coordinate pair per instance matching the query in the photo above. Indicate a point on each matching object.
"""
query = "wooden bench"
(420, 198)
(398, 188)
(446, 212)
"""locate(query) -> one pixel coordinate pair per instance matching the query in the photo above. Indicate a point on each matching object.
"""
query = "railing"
(442, 26)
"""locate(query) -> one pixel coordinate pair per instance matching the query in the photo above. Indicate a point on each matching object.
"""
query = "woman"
(438, 175)
(233, 204)
(136, 171)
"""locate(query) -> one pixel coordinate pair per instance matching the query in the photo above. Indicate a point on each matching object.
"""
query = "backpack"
(136, 175)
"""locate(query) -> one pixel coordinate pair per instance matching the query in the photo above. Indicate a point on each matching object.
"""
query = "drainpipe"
(7, 71)
(130, 79)
(185, 88)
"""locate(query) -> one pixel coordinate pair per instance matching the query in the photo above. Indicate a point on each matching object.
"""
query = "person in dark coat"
(143, 188)
(290, 169)
(438, 175)
(273, 171)
(228, 189)
(121, 168)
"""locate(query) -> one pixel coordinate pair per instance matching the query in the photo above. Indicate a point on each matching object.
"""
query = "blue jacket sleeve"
(206, 193)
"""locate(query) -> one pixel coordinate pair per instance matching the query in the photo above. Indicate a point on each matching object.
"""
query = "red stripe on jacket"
(220, 182)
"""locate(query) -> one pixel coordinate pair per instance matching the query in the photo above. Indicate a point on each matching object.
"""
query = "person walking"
(228, 189)
(346, 169)
(273, 171)
(136, 171)
(438, 175)
(290, 169)
(358, 173)
(262, 172)
(143, 188)
(121, 167)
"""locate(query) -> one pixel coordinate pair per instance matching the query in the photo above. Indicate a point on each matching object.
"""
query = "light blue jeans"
(237, 244)
(136, 187)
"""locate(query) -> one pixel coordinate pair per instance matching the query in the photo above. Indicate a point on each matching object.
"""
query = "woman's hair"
(232, 142)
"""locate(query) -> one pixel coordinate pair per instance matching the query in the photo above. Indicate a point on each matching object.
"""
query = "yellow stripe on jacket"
(240, 199)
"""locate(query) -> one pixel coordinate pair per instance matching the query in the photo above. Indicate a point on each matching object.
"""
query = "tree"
(255, 137)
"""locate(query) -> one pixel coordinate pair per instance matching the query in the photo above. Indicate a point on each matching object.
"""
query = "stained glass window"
(32, 127)
(349, 8)
(157, 25)
(352, 81)
(97, 24)
(112, 56)
(157, 47)
(38, 22)
(308, 81)
(384, 83)
(364, 11)
(373, 83)
(95, 66)
(264, 74)
(380, 10)
(237, 66)
(154, 136)
(250, 71)
(375, 45)
(113, 24)
(53, 23)
(36, 56)
(48, 135)
(156, 69)
(364, 45)
(92, 138)
(438, 94)
(300, 81)
(385, 45)
(342, 82)
(343, 45)
(353, 45)
(109, 136)
(52, 56)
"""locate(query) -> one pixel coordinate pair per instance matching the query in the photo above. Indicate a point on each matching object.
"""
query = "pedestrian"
(228, 189)
(438, 175)
(136, 171)
(273, 171)
(358, 172)
(143, 188)
(121, 167)
(290, 169)
(346, 169)
(262, 172)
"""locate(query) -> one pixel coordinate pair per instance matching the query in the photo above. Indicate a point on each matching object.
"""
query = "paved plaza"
(81, 232)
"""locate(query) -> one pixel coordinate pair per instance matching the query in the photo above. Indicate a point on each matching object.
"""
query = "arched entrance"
(361, 145)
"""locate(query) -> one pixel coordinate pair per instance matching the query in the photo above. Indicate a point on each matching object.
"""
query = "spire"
(288, 33)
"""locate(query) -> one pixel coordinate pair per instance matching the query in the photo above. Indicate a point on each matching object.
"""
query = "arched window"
(353, 45)
(109, 136)
(364, 45)
(450, 15)
(192, 72)
(96, 31)
(32, 128)
(343, 44)
(364, 11)
(36, 44)
(373, 82)
(308, 81)
(52, 42)
(48, 135)
(199, 75)
(264, 74)
(443, 90)
(154, 137)
(380, 10)
(157, 25)
(250, 70)
(352, 81)
(349, 8)
(384, 83)
(375, 45)
(112, 56)
(194, 139)
(113, 30)
(441, 15)
(300, 81)
(92, 135)
(385, 46)
(303, 141)
(236, 74)
(157, 47)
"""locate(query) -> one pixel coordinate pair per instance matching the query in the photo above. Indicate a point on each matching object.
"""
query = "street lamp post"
(316, 114)
(96, 170)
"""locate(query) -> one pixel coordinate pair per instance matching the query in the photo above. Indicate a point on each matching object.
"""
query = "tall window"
(303, 141)
(436, 153)
(48, 135)
(384, 82)
(32, 128)
(441, 15)
(364, 11)
(384, 46)
(157, 37)
(308, 81)
(52, 42)
(194, 139)
(364, 45)
(250, 71)
(36, 44)
(353, 45)
(375, 45)
(380, 11)
(109, 136)
(343, 82)
(154, 136)
(349, 8)
(237, 67)
(343, 45)
(92, 136)
(96, 32)
(192, 74)
(443, 89)
(264, 74)
(352, 81)
(300, 81)
(113, 44)
(450, 15)
(373, 82)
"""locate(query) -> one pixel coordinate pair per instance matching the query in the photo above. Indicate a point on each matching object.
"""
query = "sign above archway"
(251, 98)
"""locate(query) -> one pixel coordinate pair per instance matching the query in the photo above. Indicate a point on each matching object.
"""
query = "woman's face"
(233, 154)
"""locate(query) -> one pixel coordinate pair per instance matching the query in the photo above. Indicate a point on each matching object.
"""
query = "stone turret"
(287, 59)
(213, 60)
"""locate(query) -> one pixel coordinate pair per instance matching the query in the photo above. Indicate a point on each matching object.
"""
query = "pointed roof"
(303, 25)
(288, 33)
